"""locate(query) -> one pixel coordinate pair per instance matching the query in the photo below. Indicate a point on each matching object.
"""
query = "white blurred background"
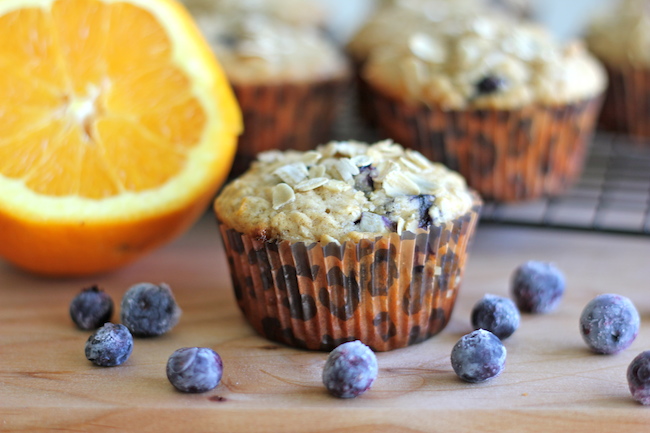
(565, 18)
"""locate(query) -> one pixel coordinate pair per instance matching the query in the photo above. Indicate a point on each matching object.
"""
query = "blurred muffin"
(289, 80)
(294, 12)
(621, 40)
(347, 242)
(498, 100)
(395, 21)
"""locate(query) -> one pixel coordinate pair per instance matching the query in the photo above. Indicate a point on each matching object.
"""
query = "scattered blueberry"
(149, 310)
(609, 323)
(478, 356)
(194, 369)
(537, 287)
(490, 84)
(110, 345)
(350, 370)
(91, 308)
(638, 377)
(496, 314)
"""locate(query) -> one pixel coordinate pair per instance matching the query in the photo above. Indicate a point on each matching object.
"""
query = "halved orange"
(117, 126)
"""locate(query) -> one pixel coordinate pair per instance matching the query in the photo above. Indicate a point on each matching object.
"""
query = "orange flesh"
(90, 115)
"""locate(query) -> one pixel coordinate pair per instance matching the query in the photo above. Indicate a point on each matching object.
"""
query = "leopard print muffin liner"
(506, 155)
(286, 116)
(627, 102)
(389, 292)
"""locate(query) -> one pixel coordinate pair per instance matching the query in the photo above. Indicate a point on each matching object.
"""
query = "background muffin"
(288, 79)
(498, 100)
(347, 242)
(621, 40)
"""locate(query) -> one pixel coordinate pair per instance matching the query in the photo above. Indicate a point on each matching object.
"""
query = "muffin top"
(622, 36)
(295, 12)
(396, 20)
(491, 62)
(256, 48)
(342, 191)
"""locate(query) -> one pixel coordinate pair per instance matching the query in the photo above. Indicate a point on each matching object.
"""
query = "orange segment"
(81, 30)
(140, 160)
(29, 45)
(117, 125)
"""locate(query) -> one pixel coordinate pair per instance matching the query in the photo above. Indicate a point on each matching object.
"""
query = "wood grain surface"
(551, 381)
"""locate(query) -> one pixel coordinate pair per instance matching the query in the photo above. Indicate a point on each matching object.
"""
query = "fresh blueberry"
(478, 356)
(490, 84)
(91, 308)
(149, 310)
(537, 287)
(609, 323)
(638, 377)
(110, 345)
(194, 369)
(350, 370)
(496, 314)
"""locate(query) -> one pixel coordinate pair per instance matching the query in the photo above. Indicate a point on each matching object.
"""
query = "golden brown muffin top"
(342, 191)
(488, 61)
(621, 36)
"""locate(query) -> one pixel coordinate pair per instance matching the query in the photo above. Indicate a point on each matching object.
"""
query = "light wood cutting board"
(551, 381)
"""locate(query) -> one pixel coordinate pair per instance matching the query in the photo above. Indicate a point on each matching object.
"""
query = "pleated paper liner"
(506, 155)
(627, 102)
(285, 116)
(389, 292)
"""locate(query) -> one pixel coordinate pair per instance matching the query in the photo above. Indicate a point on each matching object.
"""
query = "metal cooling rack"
(613, 194)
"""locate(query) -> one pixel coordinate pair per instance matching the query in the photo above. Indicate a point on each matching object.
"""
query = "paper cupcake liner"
(627, 102)
(389, 292)
(286, 116)
(506, 155)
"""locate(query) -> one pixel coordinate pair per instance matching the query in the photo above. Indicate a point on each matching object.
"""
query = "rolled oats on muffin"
(498, 100)
(620, 38)
(346, 242)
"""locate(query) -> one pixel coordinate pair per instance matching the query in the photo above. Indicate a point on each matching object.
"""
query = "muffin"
(289, 81)
(495, 99)
(349, 241)
(621, 40)
(395, 21)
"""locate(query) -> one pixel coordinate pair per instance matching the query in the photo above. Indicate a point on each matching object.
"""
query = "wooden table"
(551, 381)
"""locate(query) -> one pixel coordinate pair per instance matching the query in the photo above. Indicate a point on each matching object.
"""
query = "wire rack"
(612, 195)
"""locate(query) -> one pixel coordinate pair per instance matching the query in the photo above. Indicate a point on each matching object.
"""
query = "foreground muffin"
(498, 100)
(621, 40)
(289, 81)
(347, 242)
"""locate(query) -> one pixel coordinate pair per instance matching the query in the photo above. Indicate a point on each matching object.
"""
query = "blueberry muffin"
(496, 99)
(289, 80)
(349, 241)
(621, 40)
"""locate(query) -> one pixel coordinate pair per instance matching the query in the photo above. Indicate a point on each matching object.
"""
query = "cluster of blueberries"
(146, 310)
(609, 324)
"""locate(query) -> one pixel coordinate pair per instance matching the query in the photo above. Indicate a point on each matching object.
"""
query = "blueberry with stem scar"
(490, 84)
(350, 370)
(638, 377)
(149, 310)
(478, 356)
(91, 308)
(194, 369)
(109, 346)
(609, 323)
(537, 287)
(496, 314)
